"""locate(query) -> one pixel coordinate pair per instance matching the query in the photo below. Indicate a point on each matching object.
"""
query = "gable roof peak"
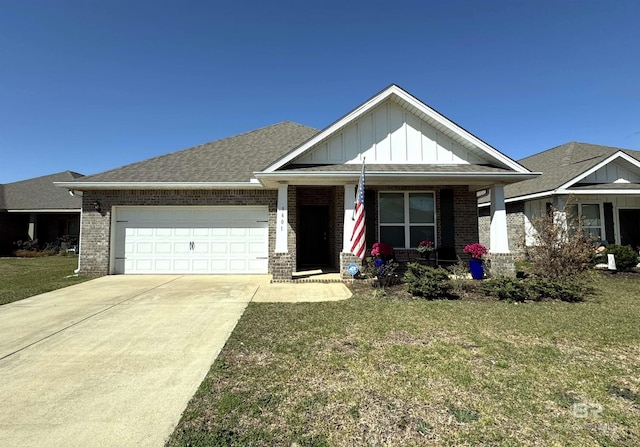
(415, 106)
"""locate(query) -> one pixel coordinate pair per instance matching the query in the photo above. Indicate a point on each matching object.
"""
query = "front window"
(406, 218)
(591, 219)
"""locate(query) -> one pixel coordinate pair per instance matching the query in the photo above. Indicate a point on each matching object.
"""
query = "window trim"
(407, 223)
(601, 212)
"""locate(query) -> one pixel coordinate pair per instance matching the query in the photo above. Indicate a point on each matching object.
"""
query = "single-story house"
(599, 183)
(35, 210)
(282, 198)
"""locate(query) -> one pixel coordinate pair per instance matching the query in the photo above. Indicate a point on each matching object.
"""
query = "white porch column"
(282, 220)
(498, 235)
(31, 230)
(349, 210)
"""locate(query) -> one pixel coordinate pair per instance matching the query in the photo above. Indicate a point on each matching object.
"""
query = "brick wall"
(96, 227)
(466, 213)
(515, 226)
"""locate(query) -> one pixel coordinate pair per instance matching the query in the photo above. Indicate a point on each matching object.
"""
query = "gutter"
(85, 186)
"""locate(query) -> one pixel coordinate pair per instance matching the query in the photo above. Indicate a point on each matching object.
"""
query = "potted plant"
(425, 248)
(477, 251)
(381, 253)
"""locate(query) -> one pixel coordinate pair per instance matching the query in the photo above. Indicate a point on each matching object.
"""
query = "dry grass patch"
(369, 372)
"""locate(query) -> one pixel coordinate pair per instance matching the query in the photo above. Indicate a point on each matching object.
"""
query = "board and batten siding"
(535, 208)
(619, 171)
(390, 134)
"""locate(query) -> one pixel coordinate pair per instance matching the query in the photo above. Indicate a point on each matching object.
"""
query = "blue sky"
(92, 85)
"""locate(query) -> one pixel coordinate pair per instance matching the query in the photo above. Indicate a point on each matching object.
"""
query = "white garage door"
(191, 240)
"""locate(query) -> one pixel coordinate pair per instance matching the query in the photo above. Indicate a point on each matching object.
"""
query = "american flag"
(358, 236)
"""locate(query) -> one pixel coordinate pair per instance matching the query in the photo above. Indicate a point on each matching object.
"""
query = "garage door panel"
(191, 240)
(163, 265)
(163, 248)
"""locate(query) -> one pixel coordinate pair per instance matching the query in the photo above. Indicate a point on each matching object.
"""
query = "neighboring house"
(281, 198)
(35, 209)
(599, 183)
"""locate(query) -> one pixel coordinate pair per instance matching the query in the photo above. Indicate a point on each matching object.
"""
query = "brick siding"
(96, 227)
(515, 226)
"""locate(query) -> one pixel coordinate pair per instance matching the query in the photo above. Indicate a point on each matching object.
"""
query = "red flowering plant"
(477, 251)
(426, 246)
(382, 251)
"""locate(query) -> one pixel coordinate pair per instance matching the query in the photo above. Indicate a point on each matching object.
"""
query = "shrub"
(459, 272)
(573, 289)
(559, 248)
(505, 288)
(34, 253)
(386, 273)
(427, 282)
(626, 257)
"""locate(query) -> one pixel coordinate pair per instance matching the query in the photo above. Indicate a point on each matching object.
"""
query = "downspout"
(77, 271)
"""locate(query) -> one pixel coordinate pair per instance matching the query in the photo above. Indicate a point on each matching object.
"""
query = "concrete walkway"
(114, 361)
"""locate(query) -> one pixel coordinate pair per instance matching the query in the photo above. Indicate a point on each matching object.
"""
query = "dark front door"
(630, 227)
(313, 236)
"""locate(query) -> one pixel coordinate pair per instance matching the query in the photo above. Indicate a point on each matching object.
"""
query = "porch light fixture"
(97, 207)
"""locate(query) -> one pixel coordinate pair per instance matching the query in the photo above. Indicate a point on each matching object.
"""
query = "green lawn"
(380, 371)
(24, 277)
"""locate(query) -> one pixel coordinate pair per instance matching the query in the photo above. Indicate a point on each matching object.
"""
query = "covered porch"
(315, 224)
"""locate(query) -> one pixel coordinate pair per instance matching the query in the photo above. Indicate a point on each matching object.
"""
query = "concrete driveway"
(113, 361)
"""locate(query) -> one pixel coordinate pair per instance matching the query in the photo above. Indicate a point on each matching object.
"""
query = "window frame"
(407, 218)
(580, 215)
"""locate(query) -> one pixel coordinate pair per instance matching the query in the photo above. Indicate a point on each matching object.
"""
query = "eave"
(476, 179)
(88, 186)
(47, 210)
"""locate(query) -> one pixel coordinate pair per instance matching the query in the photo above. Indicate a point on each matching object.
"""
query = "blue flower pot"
(476, 267)
(379, 262)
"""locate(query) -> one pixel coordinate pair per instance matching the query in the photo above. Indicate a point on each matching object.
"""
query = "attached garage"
(190, 240)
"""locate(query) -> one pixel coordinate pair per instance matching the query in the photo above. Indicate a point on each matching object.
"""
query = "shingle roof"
(40, 193)
(435, 168)
(561, 164)
(232, 159)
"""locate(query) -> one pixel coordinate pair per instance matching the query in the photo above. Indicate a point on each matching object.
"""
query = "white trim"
(537, 195)
(83, 186)
(602, 226)
(349, 212)
(575, 192)
(603, 192)
(498, 228)
(270, 180)
(282, 219)
(603, 163)
(407, 224)
(62, 210)
(112, 235)
(412, 101)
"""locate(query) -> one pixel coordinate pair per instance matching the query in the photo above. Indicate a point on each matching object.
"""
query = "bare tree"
(560, 248)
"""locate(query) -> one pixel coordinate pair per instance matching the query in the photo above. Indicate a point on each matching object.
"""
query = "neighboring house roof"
(39, 194)
(230, 160)
(564, 167)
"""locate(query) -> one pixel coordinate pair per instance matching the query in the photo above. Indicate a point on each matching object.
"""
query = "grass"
(24, 277)
(379, 371)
